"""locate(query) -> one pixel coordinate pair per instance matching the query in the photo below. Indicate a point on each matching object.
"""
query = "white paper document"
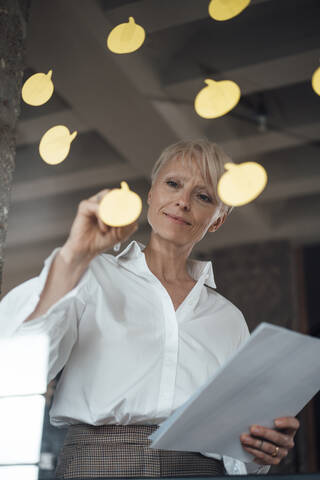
(274, 374)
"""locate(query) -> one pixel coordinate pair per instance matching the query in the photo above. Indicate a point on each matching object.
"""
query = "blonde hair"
(210, 157)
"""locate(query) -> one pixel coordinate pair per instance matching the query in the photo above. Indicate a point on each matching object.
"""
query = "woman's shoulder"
(103, 264)
(222, 303)
(230, 315)
(105, 259)
(107, 267)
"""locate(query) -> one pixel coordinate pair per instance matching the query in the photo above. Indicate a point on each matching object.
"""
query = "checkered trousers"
(123, 451)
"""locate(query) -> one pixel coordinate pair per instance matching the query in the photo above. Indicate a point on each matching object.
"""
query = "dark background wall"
(311, 264)
(272, 282)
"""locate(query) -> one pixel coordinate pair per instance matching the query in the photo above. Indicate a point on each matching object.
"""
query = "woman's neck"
(167, 261)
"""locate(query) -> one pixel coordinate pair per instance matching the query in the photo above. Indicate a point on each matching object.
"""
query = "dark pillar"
(13, 21)
(262, 281)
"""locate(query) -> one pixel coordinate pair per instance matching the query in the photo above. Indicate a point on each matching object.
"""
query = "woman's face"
(181, 204)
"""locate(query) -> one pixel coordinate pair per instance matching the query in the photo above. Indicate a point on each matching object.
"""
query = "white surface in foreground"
(25, 472)
(21, 420)
(23, 365)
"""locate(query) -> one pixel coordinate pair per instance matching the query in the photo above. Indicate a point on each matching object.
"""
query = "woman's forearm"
(64, 274)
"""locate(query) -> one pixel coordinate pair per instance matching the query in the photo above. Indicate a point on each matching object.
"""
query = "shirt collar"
(197, 268)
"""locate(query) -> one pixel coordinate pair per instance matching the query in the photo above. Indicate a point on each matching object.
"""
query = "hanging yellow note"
(242, 183)
(316, 81)
(37, 89)
(54, 145)
(120, 206)
(217, 98)
(126, 37)
(225, 9)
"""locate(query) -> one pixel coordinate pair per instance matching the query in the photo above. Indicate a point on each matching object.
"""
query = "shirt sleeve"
(237, 467)
(60, 322)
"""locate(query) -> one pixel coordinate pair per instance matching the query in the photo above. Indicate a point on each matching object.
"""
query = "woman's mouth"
(176, 219)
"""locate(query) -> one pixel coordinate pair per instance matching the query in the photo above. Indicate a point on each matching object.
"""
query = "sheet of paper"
(274, 374)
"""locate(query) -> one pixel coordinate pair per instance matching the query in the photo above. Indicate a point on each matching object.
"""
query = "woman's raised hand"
(89, 236)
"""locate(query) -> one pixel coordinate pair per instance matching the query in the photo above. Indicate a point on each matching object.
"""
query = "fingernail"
(255, 429)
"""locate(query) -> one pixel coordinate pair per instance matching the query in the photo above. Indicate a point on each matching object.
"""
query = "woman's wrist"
(74, 258)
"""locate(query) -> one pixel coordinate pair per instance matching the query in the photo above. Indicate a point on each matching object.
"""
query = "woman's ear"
(217, 223)
(149, 197)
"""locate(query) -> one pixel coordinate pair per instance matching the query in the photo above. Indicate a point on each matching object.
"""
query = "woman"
(138, 333)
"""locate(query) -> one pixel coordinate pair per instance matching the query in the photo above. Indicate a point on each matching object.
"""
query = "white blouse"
(127, 356)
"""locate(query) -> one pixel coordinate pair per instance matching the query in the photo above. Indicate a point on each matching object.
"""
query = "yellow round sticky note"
(217, 98)
(316, 81)
(38, 89)
(242, 183)
(55, 144)
(225, 9)
(120, 206)
(126, 37)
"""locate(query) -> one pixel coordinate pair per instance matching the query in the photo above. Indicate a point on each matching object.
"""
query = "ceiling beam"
(270, 141)
(30, 131)
(288, 176)
(156, 16)
(257, 77)
(214, 50)
(72, 182)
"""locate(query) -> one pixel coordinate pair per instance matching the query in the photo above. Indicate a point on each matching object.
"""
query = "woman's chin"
(176, 238)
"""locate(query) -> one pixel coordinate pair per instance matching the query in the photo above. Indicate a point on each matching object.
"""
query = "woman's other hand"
(270, 445)
(89, 235)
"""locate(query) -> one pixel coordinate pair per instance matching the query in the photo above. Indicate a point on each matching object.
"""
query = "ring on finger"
(275, 453)
(260, 446)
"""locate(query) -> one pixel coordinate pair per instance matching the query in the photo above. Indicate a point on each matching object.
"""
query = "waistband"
(129, 434)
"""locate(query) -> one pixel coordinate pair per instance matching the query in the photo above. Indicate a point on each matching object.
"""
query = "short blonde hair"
(210, 157)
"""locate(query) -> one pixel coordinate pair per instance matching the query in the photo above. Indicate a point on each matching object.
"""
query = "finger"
(260, 462)
(97, 197)
(90, 209)
(264, 458)
(273, 436)
(103, 226)
(262, 445)
(123, 233)
(289, 425)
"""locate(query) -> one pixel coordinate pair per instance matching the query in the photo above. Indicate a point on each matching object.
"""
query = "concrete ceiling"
(127, 108)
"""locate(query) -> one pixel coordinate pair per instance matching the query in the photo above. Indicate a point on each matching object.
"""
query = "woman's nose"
(183, 202)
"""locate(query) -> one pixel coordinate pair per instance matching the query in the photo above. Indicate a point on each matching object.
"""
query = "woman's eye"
(204, 197)
(172, 183)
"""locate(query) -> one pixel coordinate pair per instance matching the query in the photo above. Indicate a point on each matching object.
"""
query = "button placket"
(170, 353)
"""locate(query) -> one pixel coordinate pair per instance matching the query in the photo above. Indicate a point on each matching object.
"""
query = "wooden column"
(13, 22)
